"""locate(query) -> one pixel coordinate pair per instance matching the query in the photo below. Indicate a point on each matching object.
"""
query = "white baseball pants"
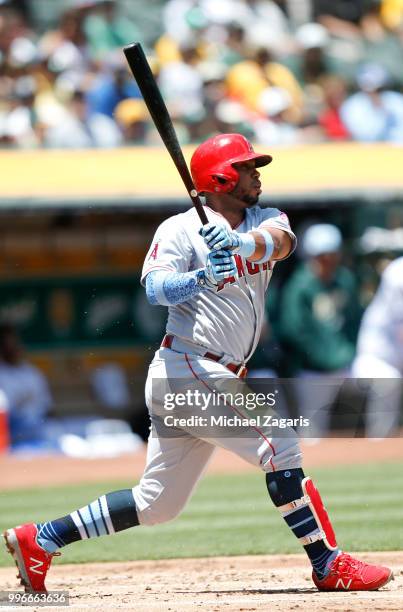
(175, 464)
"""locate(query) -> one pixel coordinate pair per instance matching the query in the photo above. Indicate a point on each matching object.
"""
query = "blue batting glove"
(219, 237)
(220, 265)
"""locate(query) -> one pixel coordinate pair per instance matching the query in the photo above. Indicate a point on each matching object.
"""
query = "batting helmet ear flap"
(223, 184)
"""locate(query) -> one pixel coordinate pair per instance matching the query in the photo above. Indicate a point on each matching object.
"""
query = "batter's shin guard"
(301, 506)
(320, 514)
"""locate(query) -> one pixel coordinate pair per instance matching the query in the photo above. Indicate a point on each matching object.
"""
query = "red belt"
(240, 370)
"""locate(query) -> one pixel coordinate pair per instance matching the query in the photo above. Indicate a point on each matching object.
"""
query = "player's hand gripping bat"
(159, 113)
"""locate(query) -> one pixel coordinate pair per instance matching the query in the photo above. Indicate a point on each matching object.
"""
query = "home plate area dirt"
(271, 583)
(277, 582)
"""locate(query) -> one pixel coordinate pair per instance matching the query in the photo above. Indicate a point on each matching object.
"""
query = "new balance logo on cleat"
(31, 559)
(341, 585)
(349, 574)
(34, 568)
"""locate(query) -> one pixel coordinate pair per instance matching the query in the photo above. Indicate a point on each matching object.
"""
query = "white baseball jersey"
(381, 332)
(227, 319)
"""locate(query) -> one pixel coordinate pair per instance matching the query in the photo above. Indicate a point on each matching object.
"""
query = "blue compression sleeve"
(168, 288)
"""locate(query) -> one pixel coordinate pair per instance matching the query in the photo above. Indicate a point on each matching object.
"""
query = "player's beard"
(248, 197)
(250, 200)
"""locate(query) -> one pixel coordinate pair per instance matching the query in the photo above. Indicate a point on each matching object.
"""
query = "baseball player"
(380, 352)
(213, 281)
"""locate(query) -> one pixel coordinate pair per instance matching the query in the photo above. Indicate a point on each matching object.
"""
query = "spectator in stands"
(81, 130)
(26, 388)
(381, 46)
(340, 17)
(133, 118)
(66, 46)
(266, 26)
(334, 93)
(245, 81)
(13, 25)
(374, 113)
(20, 126)
(278, 75)
(232, 117)
(312, 62)
(110, 86)
(319, 319)
(178, 22)
(214, 89)
(181, 84)
(380, 353)
(22, 54)
(232, 50)
(274, 129)
(106, 29)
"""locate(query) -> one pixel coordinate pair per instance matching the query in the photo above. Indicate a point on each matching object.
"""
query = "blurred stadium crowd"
(279, 71)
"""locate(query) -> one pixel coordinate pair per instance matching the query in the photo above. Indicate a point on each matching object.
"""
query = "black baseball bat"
(156, 106)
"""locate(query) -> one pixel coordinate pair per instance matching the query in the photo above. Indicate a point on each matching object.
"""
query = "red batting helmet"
(212, 164)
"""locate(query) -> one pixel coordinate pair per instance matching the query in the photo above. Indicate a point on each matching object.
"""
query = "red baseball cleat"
(349, 574)
(31, 559)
